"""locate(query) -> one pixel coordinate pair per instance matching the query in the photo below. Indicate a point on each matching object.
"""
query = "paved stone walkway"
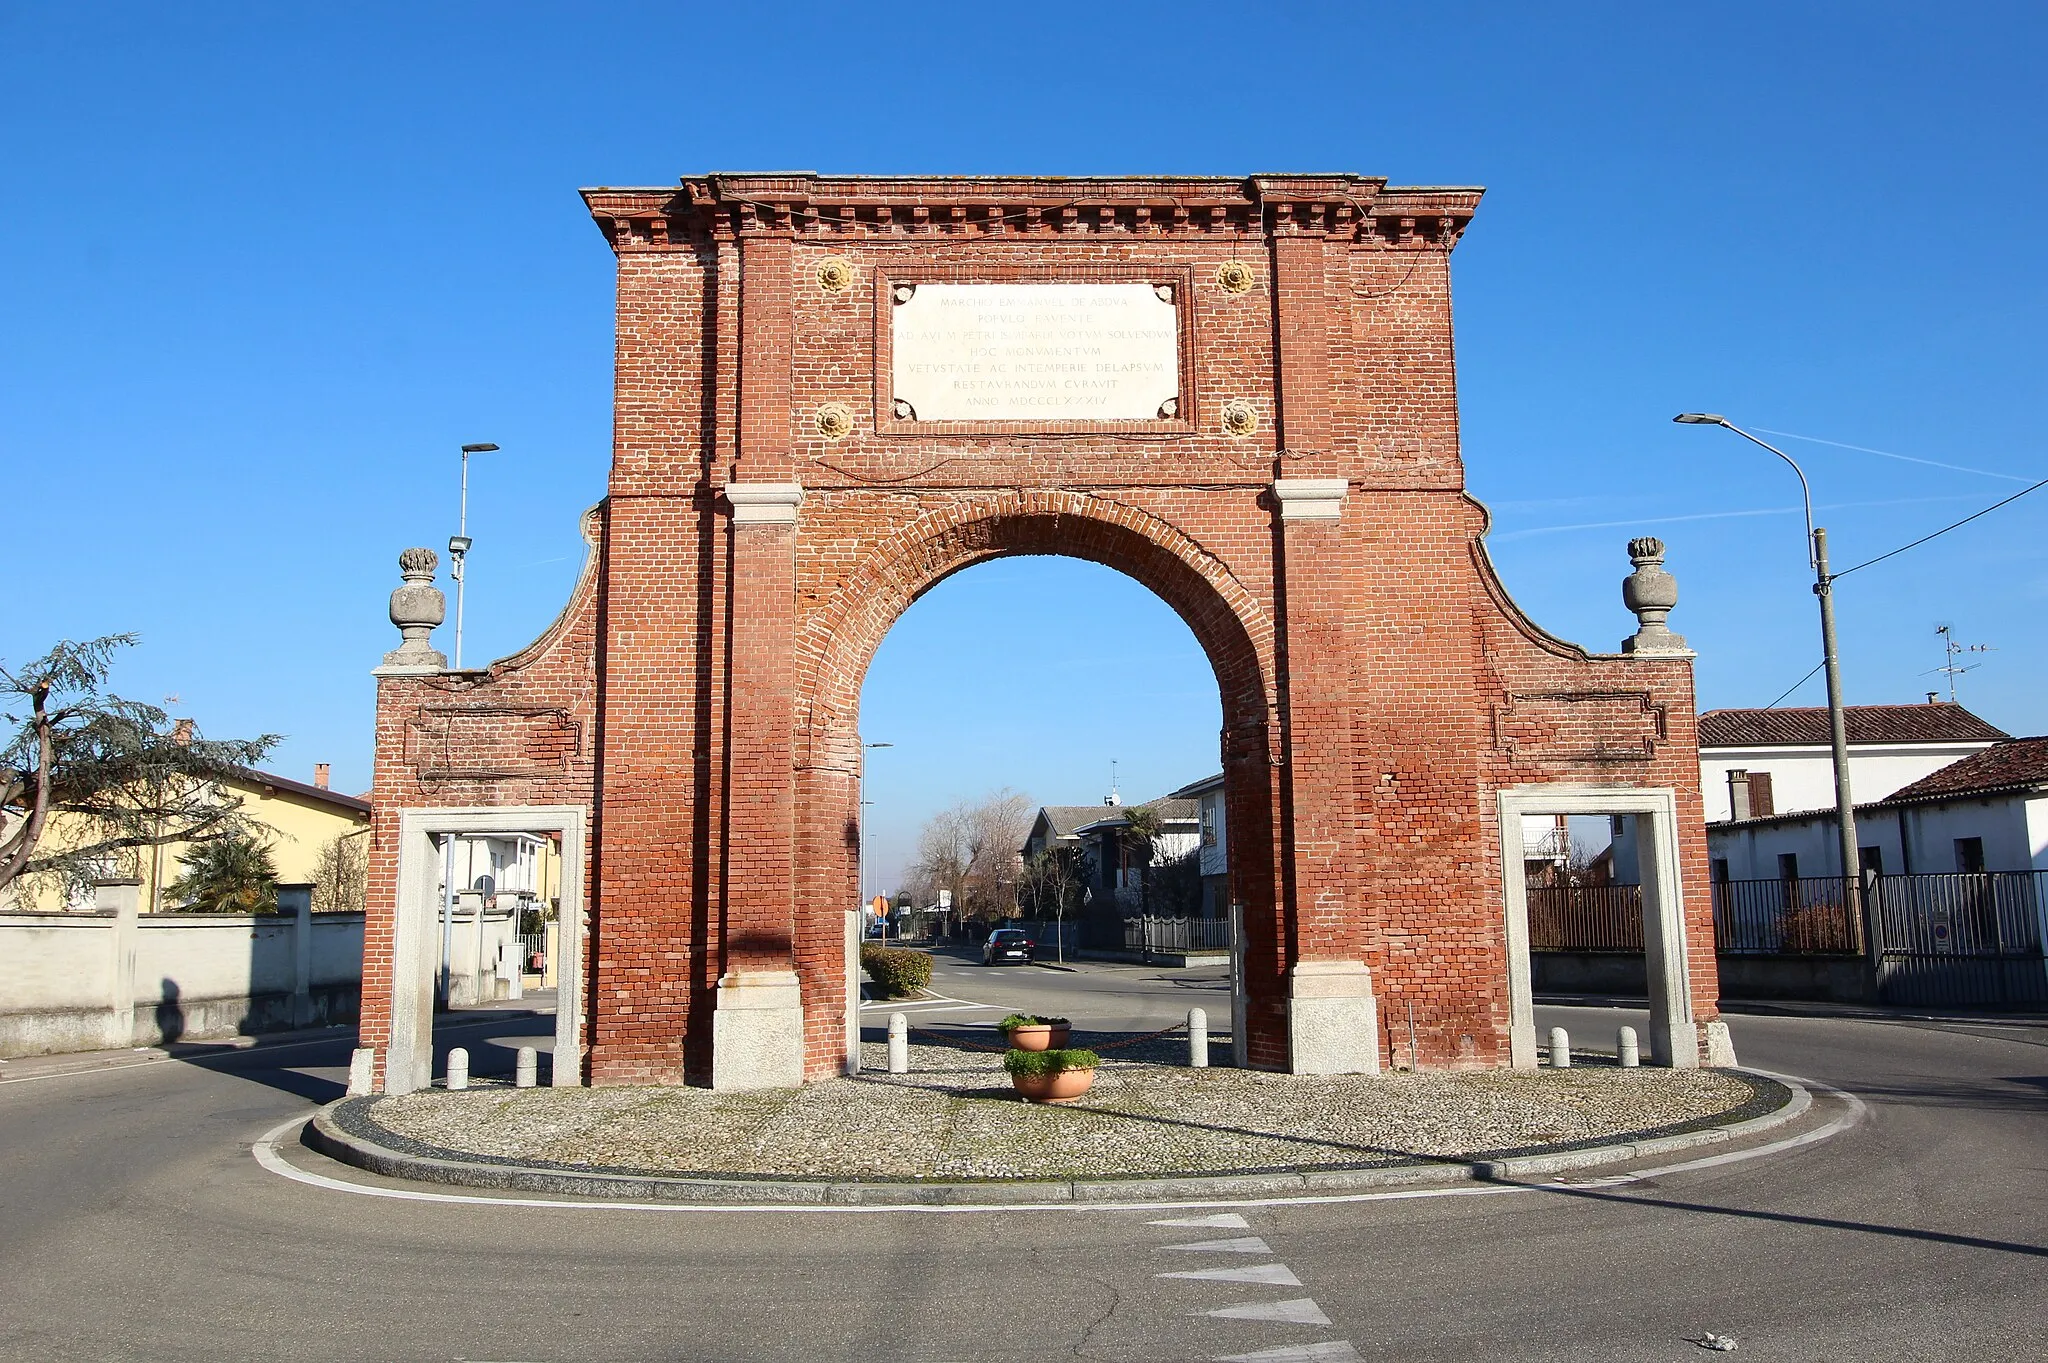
(954, 1117)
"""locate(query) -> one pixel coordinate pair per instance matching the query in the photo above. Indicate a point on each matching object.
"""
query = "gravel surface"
(955, 1117)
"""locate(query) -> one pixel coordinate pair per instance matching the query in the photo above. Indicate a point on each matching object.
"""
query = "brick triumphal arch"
(834, 392)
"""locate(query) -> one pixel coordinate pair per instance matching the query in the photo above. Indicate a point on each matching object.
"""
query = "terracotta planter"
(1040, 1038)
(1064, 1087)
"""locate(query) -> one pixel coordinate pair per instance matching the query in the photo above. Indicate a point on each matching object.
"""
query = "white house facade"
(1755, 763)
(1986, 812)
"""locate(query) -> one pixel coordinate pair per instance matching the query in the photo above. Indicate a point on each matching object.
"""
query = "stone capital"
(764, 503)
(1310, 499)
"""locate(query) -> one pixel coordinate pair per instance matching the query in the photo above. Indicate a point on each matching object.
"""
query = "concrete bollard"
(1627, 1049)
(1560, 1049)
(1720, 1047)
(458, 1069)
(362, 1071)
(527, 1068)
(1198, 1038)
(899, 1044)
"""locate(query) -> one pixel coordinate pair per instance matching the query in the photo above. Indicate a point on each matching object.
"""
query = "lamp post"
(865, 805)
(459, 542)
(1838, 728)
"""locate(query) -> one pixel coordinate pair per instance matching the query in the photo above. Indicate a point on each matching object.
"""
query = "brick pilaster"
(760, 908)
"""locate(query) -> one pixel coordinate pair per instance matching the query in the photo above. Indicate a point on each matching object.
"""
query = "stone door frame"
(415, 950)
(1673, 1037)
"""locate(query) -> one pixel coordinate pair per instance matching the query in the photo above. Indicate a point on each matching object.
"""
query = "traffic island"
(953, 1130)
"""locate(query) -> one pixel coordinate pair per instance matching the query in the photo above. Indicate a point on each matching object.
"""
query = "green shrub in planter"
(896, 972)
(1050, 1062)
(1030, 1020)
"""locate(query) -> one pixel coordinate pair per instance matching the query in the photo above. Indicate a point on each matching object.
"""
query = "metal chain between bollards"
(954, 1040)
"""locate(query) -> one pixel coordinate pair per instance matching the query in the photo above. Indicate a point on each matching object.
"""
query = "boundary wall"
(113, 978)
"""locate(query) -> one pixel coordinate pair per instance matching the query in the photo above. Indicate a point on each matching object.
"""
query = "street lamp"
(459, 542)
(1838, 728)
(861, 873)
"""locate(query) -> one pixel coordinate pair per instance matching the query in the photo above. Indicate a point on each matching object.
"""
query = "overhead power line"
(1939, 533)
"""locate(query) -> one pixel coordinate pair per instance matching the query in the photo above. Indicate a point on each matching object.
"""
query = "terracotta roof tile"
(1940, 722)
(2017, 762)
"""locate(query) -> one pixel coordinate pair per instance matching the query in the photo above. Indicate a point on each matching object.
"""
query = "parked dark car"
(1004, 945)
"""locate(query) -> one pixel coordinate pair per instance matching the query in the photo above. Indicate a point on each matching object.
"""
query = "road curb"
(326, 1134)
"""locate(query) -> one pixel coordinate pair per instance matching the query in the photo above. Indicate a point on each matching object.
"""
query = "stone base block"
(757, 1032)
(1333, 1020)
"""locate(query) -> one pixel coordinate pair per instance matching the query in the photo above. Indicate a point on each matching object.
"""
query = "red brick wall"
(1378, 687)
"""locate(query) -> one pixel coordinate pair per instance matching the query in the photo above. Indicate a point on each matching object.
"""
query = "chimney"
(1931, 697)
(320, 775)
(181, 733)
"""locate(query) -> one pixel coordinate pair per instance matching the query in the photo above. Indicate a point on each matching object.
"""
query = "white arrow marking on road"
(1221, 1221)
(1336, 1351)
(1300, 1311)
(1272, 1275)
(1243, 1244)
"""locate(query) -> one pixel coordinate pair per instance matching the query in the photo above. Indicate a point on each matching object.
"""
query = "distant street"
(1921, 1233)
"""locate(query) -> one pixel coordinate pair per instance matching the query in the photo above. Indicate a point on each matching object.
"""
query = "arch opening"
(838, 646)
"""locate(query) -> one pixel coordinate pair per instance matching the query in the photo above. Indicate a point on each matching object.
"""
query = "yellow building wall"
(295, 828)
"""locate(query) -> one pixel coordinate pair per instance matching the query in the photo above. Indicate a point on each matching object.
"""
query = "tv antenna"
(1951, 650)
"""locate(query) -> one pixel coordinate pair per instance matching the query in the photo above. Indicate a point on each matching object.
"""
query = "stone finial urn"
(1650, 592)
(416, 607)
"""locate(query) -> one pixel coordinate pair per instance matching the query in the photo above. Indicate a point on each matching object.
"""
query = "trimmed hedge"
(896, 972)
(1050, 1062)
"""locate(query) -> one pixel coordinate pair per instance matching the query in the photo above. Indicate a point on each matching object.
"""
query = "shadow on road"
(1786, 1218)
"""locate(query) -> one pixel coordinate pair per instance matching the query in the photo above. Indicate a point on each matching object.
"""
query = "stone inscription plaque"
(1035, 352)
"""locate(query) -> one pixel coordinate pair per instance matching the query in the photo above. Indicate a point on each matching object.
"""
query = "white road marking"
(265, 1152)
(1336, 1351)
(1298, 1311)
(1221, 1221)
(1243, 1244)
(1272, 1275)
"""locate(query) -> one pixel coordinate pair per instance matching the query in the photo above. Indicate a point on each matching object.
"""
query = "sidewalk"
(18, 1068)
(1799, 1008)
(13, 1069)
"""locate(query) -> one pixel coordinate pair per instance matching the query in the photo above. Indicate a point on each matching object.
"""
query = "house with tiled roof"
(1987, 811)
(1214, 831)
(1122, 870)
(1053, 828)
(1755, 763)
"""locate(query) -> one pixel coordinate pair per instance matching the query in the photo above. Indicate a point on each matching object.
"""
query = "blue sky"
(264, 268)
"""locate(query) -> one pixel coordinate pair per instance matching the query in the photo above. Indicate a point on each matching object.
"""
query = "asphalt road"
(137, 1225)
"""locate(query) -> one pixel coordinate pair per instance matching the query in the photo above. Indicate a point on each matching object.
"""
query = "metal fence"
(1176, 934)
(1961, 939)
(1965, 940)
(1810, 916)
(1586, 918)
